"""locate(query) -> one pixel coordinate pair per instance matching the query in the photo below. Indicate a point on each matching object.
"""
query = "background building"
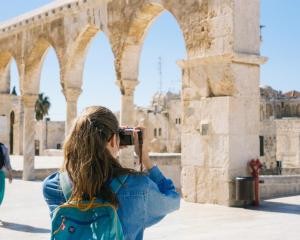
(280, 129)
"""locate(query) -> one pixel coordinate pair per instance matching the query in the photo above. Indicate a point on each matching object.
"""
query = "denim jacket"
(143, 200)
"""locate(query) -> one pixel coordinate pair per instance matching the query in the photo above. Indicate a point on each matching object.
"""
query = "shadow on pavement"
(279, 207)
(22, 227)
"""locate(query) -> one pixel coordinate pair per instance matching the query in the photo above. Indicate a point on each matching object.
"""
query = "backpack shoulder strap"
(117, 183)
(65, 184)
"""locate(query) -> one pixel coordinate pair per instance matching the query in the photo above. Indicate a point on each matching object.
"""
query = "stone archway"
(128, 60)
(72, 72)
(30, 87)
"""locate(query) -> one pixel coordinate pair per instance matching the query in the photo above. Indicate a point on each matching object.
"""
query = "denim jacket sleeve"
(162, 197)
(52, 192)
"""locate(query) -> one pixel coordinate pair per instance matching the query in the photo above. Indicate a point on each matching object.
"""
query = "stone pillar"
(5, 79)
(127, 118)
(28, 136)
(71, 95)
(220, 129)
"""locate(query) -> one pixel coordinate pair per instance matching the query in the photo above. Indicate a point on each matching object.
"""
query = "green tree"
(42, 107)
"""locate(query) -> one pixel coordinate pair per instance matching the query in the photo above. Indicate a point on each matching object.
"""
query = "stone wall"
(275, 104)
(56, 134)
(268, 132)
(288, 142)
(281, 143)
(50, 135)
(277, 186)
(11, 105)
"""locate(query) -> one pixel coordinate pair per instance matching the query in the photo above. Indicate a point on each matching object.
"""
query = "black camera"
(127, 136)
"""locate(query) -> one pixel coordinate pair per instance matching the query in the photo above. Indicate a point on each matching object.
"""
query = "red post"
(255, 166)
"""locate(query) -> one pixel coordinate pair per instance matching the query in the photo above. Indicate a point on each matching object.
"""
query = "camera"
(127, 136)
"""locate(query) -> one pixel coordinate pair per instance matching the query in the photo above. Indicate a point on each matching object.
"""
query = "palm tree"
(42, 107)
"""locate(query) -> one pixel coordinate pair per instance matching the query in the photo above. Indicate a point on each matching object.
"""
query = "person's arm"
(162, 197)
(7, 163)
(52, 192)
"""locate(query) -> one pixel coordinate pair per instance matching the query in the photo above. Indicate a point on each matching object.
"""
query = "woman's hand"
(145, 147)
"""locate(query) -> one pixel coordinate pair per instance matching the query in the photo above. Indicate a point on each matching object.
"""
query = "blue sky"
(281, 44)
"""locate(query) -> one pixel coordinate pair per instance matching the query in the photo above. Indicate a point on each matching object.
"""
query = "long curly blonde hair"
(87, 160)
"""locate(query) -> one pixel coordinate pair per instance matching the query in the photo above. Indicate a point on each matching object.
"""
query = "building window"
(179, 120)
(159, 131)
(176, 120)
(58, 146)
(261, 146)
(155, 132)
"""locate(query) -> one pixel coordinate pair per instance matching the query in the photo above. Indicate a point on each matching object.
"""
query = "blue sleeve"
(52, 192)
(162, 197)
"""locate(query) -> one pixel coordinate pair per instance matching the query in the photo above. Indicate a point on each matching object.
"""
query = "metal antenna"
(160, 74)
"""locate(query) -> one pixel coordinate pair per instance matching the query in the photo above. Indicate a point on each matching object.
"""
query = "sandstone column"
(4, 103)
(71, 95)
(220, 102)
(28, 136)
(4, 78)
(127, 117)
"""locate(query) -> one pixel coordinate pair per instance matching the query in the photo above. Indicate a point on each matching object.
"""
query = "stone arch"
(138, 29)
(5, 58)
(77, 55)
(33, 64)
(5, 62)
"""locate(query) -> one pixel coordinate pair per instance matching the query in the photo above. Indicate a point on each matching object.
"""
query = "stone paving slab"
(24, 215)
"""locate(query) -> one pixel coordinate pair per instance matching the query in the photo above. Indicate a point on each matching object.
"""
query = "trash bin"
(244, 188)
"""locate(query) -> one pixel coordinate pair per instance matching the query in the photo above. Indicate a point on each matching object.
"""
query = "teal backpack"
(86, 220)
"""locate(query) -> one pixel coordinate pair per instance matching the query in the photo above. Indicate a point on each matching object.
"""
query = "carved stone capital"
(72, 94)
(29, 100)
(127, 87)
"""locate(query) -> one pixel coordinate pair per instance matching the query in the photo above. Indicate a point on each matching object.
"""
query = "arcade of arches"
(220, 77)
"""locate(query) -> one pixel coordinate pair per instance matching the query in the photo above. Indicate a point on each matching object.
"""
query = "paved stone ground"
(24, 215)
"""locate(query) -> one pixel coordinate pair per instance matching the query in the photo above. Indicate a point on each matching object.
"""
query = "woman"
(4, 165)
(90, 153)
